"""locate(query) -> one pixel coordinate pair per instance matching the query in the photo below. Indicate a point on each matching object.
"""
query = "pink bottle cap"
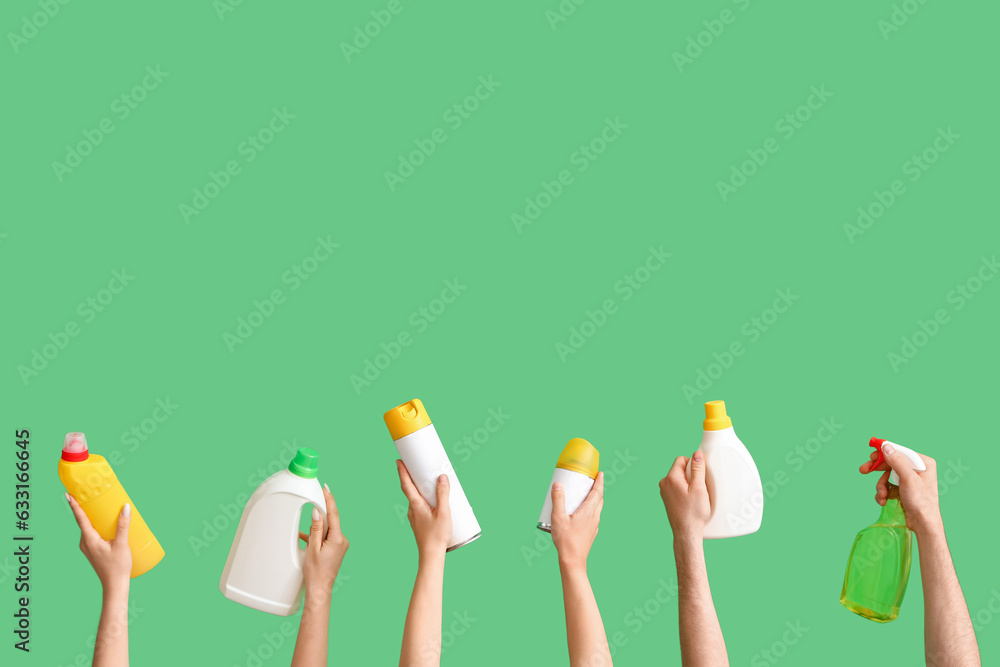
(75, 447)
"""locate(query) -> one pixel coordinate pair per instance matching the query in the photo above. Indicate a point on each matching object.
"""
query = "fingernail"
(315, 514)
(442, 479)
(127, 510)
(67, 496)
(698, 457)
(327, 487)
(557, 486)
(888, 449)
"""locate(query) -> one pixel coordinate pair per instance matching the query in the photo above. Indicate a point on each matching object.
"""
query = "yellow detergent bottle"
(91, 481)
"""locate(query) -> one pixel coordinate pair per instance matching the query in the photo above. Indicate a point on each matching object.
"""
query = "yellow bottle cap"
(406, 418)
(580, 456)
(716, 418)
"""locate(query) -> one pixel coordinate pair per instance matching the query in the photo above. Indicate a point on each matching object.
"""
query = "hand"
(574, 534)
(687, 503)
(324, 553)
(431, 525)
(918, 491)
(112, 561)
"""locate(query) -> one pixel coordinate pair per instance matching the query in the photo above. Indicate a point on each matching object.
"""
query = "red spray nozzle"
(877, 444)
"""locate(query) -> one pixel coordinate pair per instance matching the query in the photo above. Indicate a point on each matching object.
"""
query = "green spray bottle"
(879, 565)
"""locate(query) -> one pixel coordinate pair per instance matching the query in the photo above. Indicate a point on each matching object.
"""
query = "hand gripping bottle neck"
(915, 461)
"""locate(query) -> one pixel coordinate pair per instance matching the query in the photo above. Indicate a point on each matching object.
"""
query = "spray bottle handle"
(915, 461)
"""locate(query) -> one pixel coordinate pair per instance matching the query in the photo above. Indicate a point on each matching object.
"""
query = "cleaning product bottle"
(425, 459)
(91, 481)
(731, 476)
(264, 568)
(576, 470)
(879, 565)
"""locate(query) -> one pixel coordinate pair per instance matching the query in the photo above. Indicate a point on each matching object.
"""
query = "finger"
(406, 483)
(304, 537)
(596, 495)
(882, 489)
(332, 514)
(443, 491)
(86, 528)
(697, 470)
(869, 465)
(678, 471)
(315, 531)
(558, 502)
(899, 462)
(124, 521)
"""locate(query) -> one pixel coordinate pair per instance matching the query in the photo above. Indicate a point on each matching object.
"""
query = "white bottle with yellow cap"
(576, 470)
(425, 459)
(731, 476)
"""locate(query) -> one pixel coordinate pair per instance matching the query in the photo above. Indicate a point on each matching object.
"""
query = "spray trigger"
(916, 462)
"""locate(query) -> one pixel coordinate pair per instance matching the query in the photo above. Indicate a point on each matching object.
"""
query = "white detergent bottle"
(731, 476)
(264, 568)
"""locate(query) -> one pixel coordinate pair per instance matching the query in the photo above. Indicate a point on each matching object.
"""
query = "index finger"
(406, 483)
(679, 468)
(596, 494)
(332, 515)
(86, 528)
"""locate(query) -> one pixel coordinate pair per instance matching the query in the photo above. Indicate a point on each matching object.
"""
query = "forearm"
(949, 638)
(702, 643)
(585, 635)
(422, 632)
(314, 632)
(111, 644)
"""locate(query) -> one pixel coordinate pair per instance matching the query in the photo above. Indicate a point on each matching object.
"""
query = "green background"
(495, 346)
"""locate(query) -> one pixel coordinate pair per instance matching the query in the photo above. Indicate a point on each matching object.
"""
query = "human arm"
(688, 509)
(324, 556)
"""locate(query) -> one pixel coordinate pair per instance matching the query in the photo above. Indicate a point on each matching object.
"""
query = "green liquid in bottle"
(879, 566)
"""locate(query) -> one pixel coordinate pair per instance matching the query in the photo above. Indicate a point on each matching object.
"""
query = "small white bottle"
(731, 476)
(576, 470)
(264, 568)
(425, 459)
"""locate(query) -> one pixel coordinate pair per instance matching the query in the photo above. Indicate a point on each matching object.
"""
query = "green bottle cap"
(305, 464)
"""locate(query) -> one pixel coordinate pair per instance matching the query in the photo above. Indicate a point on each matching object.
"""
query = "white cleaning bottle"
(264, 568)
(731, 476)
(425, 459)
(576, 470)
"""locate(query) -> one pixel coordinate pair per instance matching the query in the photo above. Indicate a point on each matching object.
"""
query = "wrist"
(116, 588)
(688, 538)
(572, 564)
(318, 599)
(926, 529)
(431, 556)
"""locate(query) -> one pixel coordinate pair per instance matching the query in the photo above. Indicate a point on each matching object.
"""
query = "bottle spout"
(75, 447)
(716, 418)
(916, 462)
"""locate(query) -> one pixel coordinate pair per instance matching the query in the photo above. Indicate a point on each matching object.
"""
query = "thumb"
(443, 490)
(124, 521)
(697, 471)
(558, 501)
(899, 462)
(315, 530)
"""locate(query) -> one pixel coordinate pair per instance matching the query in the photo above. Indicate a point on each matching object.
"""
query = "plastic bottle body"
(264, 567)
(426, 459)
(878, 568)
(733, 484)
(96, 488)
(576, 486)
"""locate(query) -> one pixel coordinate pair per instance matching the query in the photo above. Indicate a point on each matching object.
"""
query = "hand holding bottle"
(574, 534)
(918, 491)
(431, 525)
(324, 553)
(111, 560)
(687, 502)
